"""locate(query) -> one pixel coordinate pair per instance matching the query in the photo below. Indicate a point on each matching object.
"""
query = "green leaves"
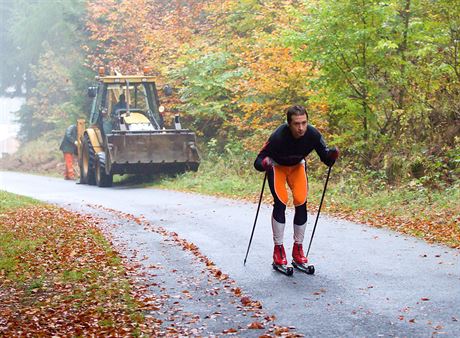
(207, 86)
(382, 67)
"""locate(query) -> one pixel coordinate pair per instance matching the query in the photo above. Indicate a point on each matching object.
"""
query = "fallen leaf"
(255, 325)
(280, 330)
(245, 300)
(231, 330)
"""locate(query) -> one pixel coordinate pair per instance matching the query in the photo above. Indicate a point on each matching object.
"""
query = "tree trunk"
(405, 14)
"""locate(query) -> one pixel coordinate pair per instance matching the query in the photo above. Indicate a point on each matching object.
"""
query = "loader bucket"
(144, 152)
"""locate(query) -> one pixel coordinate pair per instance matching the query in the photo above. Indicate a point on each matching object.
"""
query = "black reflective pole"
(319, 210)
(255, 221)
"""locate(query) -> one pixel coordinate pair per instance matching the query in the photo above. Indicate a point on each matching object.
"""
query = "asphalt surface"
(369, 282)
(188, 297)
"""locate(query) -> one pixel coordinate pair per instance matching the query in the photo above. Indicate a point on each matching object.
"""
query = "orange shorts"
(296, 178)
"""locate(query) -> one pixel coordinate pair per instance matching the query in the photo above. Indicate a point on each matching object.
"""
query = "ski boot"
(299, 260)
(280, 261)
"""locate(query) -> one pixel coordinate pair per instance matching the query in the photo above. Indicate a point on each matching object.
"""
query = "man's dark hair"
(295, 110)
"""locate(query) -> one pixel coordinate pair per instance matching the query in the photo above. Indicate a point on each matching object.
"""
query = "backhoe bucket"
(143, 152)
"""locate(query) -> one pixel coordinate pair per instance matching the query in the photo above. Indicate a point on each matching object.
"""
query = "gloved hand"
(267, 163)
(333, 155)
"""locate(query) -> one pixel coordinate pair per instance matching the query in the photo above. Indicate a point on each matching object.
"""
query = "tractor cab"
(126, 103)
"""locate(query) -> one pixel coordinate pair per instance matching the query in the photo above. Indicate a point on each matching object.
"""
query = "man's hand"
(333, 155)
(267, 164)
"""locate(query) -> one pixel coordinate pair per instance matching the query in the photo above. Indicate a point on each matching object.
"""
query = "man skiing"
(283, 159)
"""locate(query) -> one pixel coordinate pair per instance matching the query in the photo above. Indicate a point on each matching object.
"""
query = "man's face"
(298, 125)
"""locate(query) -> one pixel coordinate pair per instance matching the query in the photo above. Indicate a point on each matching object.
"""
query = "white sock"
(278, 232)
(299, 232)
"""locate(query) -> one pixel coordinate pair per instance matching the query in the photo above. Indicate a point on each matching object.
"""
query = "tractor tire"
(102, 178)
(87, 165)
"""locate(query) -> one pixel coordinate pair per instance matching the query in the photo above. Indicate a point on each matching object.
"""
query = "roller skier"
(283, 159)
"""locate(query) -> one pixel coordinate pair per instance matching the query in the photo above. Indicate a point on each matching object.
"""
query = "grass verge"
(12, 201)
(59, 275)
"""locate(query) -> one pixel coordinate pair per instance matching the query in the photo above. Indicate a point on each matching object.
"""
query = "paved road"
(368, 282)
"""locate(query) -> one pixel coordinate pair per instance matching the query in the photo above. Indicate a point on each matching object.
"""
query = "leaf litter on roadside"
(59, 276)
(68, 280)
(228, 286)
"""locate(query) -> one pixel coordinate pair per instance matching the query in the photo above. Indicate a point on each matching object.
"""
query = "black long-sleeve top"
(286, 150)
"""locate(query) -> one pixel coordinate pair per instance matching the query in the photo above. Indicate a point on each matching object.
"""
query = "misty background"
(9, 126)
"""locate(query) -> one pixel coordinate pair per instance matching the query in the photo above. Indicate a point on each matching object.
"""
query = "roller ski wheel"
(305, 268)
(284, 269)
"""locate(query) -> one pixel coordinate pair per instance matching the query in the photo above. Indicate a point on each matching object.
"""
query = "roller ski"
(280, 261)
(300, 262)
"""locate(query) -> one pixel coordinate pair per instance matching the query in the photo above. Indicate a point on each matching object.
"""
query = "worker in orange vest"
(69, 148)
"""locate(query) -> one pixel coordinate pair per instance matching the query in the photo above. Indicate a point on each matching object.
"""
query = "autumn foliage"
(127, 35)
(237, 65)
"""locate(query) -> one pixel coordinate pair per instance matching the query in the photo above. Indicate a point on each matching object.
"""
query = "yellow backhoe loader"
(126, 133)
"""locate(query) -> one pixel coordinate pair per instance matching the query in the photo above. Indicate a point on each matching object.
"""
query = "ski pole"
(319, 210)
(255, 221)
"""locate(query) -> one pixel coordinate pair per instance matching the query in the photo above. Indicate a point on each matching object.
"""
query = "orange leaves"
(245, 300)
(60, 277)
(225, 285)
(161, 34)
(274, 78)
(237, 291)
(281, 330)
(249, 303)
(256, 326)
(320, 292)
(137, 32)
(229, 331)
(432, 226)
(196, 251)
(119, 29)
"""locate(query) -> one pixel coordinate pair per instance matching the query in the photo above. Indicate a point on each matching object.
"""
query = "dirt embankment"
(50, 166)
